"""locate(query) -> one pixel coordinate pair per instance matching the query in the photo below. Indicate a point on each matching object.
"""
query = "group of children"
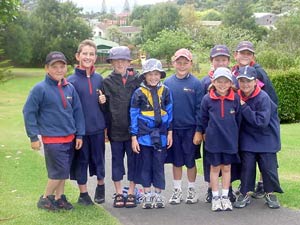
(154, 123)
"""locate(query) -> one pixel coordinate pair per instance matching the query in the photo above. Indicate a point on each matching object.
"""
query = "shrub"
(287, 86)
(273, 59)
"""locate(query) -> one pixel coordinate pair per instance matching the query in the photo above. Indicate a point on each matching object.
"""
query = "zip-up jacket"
(117, 104)
(53, 110)
(221, 118)
(151, 115)
(264, 80)
(187, 95)
(87, 88)
(260, 128)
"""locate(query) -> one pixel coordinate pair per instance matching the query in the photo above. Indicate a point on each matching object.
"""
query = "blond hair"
(86, 42)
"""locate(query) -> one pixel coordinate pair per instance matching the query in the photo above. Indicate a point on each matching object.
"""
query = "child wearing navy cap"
(259, 139)
(118, 88)
(53, 110)
(91, 157)
(220, 121)
(151, 116)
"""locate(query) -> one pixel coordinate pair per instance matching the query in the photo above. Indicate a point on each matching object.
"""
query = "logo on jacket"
(232, 111)
(189, 90)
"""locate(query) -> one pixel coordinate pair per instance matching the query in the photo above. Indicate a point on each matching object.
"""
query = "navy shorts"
(216, 159)
(183, 151)
(91, 156)
(150, 167)
(118, 150)
(58, 159)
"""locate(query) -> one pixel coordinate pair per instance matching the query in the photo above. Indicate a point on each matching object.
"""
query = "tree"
(103, 7)
(114, 34)
(166, 43)
(240, 14)
(161, 16)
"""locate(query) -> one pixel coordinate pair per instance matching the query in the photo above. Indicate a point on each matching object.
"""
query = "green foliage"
(210, 14)
(5, 73)
(9, 11)
(161, 16)
(114, 34)
(166, 43)
(287, 86)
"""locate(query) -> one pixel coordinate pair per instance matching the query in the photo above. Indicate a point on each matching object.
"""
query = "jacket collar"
(50, 81)
(214, 95)
(252, 95)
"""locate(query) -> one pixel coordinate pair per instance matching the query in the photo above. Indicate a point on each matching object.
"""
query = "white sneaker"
(147, 201)
(191, 197)
(226, 203)
(158, 201)
(216, 204)
(176, 197)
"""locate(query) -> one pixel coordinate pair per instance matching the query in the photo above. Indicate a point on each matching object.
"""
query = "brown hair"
(86, 42)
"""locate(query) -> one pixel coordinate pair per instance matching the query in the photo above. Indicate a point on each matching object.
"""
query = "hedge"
(287, 86)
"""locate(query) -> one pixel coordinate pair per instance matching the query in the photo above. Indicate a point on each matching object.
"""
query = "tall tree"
(103, 7)
(161, 16)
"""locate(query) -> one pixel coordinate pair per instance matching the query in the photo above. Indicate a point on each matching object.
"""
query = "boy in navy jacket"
(53, 110)
(259, 139)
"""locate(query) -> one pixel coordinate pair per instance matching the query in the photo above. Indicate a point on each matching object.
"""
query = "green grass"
(22, 171)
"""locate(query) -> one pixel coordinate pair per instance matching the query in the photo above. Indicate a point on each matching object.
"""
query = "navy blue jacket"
(87, 89)
(53, 110)
(220, 121)
(151, 114)
(187, 95)
(260, 128)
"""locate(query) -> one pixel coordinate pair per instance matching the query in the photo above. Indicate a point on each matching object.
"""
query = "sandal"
(119, 201)
(130, 201)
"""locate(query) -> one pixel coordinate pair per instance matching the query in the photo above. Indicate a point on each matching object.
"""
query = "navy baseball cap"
(245, 45)
(119, 52)
(247, 72)
(218, 50)
(55, 56)
(152, 65)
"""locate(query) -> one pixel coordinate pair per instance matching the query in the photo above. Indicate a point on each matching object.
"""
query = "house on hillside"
(266, 19)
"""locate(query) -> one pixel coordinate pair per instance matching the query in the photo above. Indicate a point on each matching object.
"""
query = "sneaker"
(259, 190)
(272, 201)
(242, 201)
(85, 200)
(63, 203)
(208, 196)
(231, 195)
(226, 203)
(147, 201)
(100, 194)
(216, 204)
(47, 204)
(158, 201)
(191, 197)
(176, 197)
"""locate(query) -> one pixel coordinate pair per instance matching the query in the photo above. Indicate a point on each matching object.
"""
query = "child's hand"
(36, 145)
(102, 98)
(135, 145)
(169, 139)
(78, 144)
(197, 138)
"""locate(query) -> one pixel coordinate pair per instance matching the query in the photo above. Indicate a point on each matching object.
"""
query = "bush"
(273, 59)
(287, 86)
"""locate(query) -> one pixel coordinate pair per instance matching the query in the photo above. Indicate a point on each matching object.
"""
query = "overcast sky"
(95, 5)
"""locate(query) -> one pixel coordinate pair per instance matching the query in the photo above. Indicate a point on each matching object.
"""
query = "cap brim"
(178, 56)
(220, 54)
(244, 76)
(243, 49)
(163, 73)
(226, 76)
(56, 60)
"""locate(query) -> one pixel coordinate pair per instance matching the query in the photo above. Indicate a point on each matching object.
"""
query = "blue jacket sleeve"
(169, 107)
(199, 97)
(134, 113)
(204, 116)
(78, 116)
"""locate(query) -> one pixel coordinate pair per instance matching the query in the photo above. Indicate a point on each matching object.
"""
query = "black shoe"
(208, 196)
(231, 195)
(259, 191)
(100, 194)
(63, 203)
(47, 204)
(85, 200)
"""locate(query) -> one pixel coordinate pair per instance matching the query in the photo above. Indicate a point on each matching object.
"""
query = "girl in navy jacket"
(220, 118)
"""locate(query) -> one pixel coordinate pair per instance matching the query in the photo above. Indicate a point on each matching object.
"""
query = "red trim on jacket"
(57, 140)
(252, 95)
(230, 96)
(64, 82)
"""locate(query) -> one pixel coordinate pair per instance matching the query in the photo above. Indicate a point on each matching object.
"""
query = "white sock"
(191, 185)
(177, 184)
(215, 194)
(225, 192)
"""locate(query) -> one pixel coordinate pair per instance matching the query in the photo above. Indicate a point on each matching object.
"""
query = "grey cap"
(119, 52)
(222, 72)
(151, 65)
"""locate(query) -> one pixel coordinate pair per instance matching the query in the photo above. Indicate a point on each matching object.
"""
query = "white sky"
(95, 5)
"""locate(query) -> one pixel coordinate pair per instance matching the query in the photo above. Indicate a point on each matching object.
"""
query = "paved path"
(200, 213)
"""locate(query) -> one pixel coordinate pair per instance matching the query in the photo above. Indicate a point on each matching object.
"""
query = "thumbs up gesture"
(102, 98)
